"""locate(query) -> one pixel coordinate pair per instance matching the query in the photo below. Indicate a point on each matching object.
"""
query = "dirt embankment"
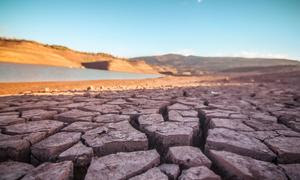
(30, 52)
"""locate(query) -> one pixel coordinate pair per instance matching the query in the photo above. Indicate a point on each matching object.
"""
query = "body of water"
(10, 72)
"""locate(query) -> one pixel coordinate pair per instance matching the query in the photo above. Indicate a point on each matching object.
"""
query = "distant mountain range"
(199, 65)
(31, 52)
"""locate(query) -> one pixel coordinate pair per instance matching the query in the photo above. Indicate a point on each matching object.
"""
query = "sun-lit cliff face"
(30, 52)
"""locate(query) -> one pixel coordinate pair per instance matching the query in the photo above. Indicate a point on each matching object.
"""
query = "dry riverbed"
(190, 128)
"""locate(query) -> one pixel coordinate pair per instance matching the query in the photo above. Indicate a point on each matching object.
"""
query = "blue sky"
(128, 28)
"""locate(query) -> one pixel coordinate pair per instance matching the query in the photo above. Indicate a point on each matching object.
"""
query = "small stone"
(171, 170)
(151, 174)
(122, 165)
(51, 147)
(187, 156)
(26, 92)
(198, 173)
(79, 154)
(46, 90)
(242, 167)
(90, 88)
(50, 171)
(10, 170)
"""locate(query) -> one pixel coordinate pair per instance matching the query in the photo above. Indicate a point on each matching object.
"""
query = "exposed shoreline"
(102, 85)
(167, 82)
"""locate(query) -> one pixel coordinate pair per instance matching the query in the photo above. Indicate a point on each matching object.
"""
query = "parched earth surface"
(249, 131)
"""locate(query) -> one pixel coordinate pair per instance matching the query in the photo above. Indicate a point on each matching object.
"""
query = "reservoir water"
(10, 72)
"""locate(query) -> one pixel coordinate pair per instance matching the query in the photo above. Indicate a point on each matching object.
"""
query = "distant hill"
(200, 65)
(31, 52)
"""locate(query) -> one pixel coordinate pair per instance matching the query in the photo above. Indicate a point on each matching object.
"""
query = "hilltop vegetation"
(201, 65)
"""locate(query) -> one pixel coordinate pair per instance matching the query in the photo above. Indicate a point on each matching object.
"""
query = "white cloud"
(185, 52)
(199, 1)
(251, 54)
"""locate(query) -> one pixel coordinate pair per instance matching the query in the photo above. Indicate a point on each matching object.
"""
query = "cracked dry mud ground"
(228, 132)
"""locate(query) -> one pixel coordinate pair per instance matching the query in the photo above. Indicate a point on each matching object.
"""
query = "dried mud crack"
(230, 132)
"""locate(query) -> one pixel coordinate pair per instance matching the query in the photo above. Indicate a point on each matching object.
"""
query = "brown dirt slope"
(30, 52)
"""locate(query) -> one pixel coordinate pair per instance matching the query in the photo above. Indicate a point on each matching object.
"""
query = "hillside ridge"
(32, 52)
(201, 65)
